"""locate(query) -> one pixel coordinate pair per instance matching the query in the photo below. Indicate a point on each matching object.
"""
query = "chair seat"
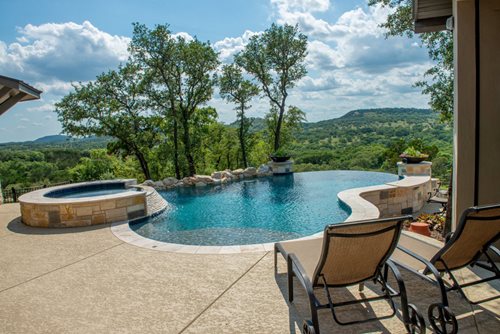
(439, 200)
(307, 251)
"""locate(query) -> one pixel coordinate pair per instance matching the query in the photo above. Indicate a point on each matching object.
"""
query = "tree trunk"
(449, 208)
(277, 135)
(242, 140)
(176, 150)
(144, 165)
(187, 144)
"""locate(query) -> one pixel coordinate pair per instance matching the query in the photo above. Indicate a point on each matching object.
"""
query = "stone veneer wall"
(84, 213)
(40, 211)
(399, 198)
(155, 202)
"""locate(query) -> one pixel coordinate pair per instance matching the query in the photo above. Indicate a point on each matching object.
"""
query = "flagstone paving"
(85, 280)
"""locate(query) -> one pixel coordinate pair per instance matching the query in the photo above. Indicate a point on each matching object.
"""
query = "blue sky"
(51, 44)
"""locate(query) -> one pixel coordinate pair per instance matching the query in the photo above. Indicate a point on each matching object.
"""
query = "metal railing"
(12, 194)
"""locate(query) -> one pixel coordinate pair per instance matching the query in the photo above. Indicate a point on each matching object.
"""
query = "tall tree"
(113, 105)
(235, 89)
(276, 60)
(156, 50)
(181, 75)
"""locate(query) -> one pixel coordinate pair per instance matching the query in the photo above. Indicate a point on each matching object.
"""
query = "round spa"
(87, 203)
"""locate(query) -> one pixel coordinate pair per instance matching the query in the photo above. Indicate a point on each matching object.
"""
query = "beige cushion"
(307, 251)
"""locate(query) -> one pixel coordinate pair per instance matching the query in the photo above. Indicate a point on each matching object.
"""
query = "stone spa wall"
(41, 211)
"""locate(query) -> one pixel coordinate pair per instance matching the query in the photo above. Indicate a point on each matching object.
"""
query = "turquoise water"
(256, 211)
(93, 193)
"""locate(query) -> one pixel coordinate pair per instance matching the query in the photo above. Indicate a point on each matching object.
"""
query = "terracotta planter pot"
(420, 228)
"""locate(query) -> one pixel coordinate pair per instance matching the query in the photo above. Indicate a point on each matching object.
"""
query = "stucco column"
(464, 107)
(476, 179)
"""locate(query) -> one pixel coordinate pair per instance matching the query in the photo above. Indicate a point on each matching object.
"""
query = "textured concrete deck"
(85, 280)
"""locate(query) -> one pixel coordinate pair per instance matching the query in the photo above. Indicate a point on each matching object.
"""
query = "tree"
(276, 60)
(181, 77)
(112, 106)
(156, 51)
(237, 90)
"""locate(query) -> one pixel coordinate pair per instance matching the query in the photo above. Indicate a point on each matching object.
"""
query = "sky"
(51, 44)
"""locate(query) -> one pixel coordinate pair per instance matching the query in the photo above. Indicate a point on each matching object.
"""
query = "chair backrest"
(354, 252)
(478, 228)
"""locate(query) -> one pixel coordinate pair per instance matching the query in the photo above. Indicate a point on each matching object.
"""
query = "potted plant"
(280, 156)
(413, 156)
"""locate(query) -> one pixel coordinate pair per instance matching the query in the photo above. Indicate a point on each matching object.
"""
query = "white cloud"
(54, 87)
(184, 35)
(229, 46)
(301, 5)
(42, 108)
(62, 51)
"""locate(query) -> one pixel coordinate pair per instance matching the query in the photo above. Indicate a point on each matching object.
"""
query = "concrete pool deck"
(85, 280)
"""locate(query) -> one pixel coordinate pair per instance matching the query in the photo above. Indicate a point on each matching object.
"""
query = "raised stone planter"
(423, 168)
(285, 167)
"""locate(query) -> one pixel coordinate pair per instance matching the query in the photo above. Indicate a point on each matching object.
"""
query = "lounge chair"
(436, 197)
(348, 254)
(469, 245)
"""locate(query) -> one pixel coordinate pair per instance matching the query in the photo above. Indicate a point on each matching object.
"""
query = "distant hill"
(59, 141)
(258, 124)
(52, 139)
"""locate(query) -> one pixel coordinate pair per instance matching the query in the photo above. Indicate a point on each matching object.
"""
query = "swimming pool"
(255, 211)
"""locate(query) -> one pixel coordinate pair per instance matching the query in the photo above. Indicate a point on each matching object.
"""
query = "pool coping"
(361, 209)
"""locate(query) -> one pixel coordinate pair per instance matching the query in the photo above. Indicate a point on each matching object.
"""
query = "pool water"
(256, 211)
(100, 192)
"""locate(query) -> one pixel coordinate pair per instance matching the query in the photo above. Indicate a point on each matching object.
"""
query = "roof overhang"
(13, 91)
(431, 15)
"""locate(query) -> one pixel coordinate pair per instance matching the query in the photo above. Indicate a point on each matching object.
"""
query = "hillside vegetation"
(362, 139)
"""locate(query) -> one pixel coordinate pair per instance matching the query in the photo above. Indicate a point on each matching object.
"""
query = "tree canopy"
(276, 60)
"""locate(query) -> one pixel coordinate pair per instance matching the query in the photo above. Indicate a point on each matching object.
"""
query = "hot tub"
(86, 203)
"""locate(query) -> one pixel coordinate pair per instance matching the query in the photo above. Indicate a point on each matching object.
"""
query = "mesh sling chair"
(469, 245)
(348, 254)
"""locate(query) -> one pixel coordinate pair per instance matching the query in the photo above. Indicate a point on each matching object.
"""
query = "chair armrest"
(448, 236)
(397, 275)
(495, 250)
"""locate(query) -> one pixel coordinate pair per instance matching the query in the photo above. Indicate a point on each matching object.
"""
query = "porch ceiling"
(431, 15)
(13, 91)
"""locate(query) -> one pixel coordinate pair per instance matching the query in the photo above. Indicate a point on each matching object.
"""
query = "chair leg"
(275, 260)
(314, 316)
(290, 279)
